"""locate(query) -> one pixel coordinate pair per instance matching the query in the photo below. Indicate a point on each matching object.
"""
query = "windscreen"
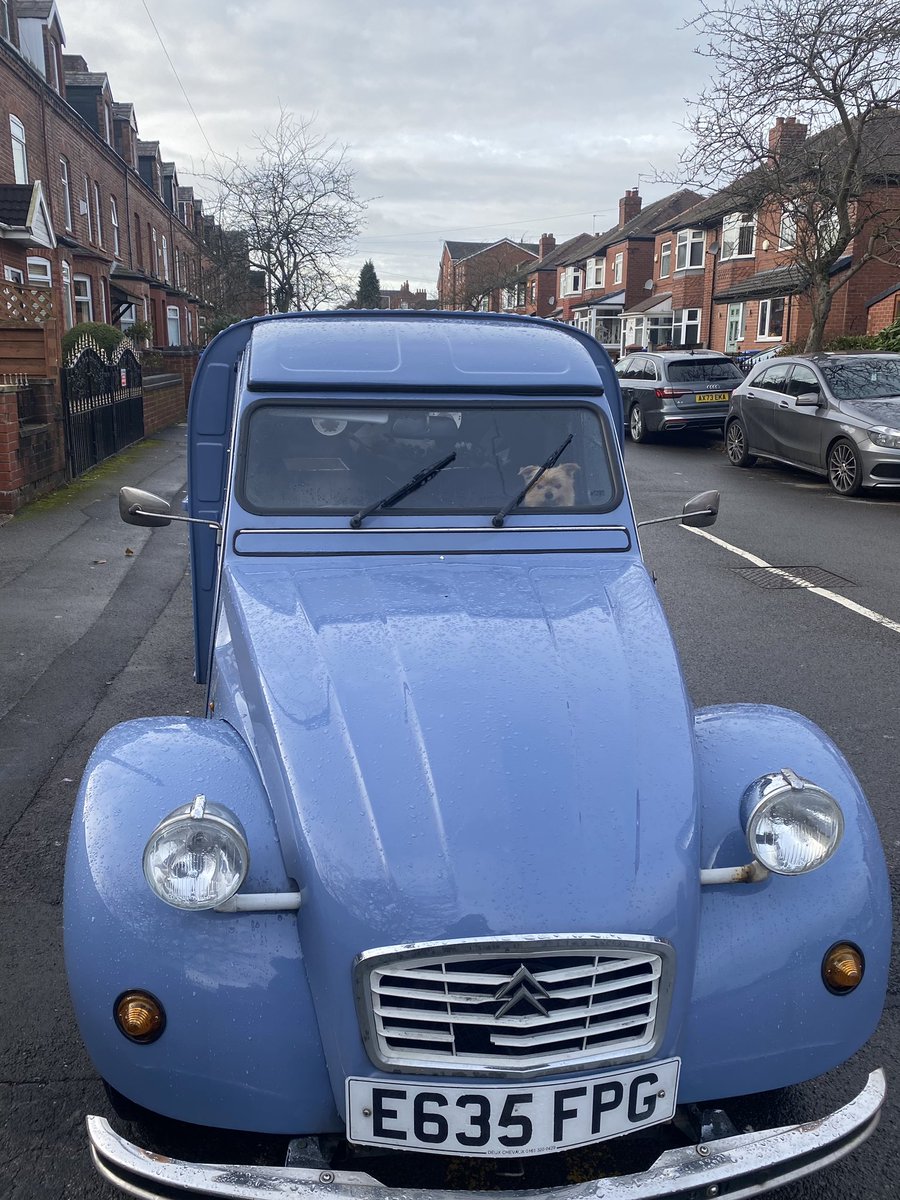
(863, 378)
(703, 370)
(333, 459)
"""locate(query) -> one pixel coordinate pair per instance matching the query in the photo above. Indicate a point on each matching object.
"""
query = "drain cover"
(793, 577)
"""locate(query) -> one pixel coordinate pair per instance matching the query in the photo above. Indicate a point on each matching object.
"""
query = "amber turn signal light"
(843, 968)
(140, 1016)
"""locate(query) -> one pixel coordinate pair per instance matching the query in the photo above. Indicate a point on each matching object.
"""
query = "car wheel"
(736, 445)
(637, 427)
(844, 468)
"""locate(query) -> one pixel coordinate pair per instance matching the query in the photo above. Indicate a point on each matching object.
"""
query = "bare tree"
(829, 178)
(481, 279)
(295, 203)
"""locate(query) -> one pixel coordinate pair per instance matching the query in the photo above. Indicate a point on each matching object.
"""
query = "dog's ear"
(528, 473)
(570, 469)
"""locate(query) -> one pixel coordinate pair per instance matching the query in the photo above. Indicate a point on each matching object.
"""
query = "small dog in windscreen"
(554, 489)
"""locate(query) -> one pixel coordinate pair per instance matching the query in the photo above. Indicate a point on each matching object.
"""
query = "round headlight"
(792, 825)
(197, 857)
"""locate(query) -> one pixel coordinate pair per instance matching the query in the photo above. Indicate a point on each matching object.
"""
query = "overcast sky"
(464, 119)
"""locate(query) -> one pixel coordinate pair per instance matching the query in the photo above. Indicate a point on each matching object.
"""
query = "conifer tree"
(368, 291)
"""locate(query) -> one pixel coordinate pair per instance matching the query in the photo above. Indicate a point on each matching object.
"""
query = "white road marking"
(869, 613)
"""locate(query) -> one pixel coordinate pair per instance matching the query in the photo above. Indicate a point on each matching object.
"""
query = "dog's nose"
(548, 495)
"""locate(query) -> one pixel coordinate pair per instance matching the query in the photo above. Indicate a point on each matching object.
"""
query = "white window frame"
(571, 281)
(155, 247)
(190, 326)
(764, 320)
(98, 218)
(107, 125)
(87, 208)
(734, 229)
(685, 243)
(165, 257)
(114, 216)
(787, 230)
(40, 272)
(67, 192)
(104, 315)
(85, 299)
(618, 267)
(68, 307)
(681, 321)
(4, 19)
(665, 257)
(14, 275)
(128, 317)
(596, 272)
(19, 149)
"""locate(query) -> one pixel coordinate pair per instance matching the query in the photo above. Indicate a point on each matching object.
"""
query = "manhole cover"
(793, 577)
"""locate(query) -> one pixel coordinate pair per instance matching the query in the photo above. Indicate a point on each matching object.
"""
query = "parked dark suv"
(676, 389)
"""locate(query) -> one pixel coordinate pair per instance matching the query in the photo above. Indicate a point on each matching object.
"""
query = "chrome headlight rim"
(759, 797)
(217, 815)
(885, 436)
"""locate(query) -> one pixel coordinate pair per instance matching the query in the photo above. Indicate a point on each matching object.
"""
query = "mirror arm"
(701, 512)
(137, 511)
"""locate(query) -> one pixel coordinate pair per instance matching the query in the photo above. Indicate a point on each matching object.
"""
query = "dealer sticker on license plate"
(507, 1121)
(712, 398)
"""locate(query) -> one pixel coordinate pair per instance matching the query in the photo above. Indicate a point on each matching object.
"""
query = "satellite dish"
(648, 286)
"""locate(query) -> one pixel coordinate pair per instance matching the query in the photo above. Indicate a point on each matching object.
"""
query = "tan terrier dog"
(554, 489)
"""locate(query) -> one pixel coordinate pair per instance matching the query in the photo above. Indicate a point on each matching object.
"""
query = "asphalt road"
(91, 635)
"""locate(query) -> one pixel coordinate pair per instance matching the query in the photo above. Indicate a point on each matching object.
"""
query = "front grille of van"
(522, 1006)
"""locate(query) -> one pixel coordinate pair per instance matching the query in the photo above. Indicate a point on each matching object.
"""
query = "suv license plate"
(712, 398)
(499, 1121)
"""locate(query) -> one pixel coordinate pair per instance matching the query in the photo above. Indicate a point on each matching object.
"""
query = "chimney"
(629, 206)
(785, 135)
(546, 244)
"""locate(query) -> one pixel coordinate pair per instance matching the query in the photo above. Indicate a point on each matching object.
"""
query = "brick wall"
(32, 442)
(165, 401)
(181, 362)
(884, 313)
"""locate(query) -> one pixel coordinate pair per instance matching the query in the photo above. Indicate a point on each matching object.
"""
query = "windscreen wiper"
(498, 518)
(418, 480)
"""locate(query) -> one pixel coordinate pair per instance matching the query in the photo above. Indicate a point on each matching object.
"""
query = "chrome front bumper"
(746, 1165)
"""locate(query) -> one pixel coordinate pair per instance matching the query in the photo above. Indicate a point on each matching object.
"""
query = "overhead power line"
(178, 78)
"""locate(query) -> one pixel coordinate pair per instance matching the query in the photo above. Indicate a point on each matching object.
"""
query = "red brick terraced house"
(726, 278)
(94, 226)
(98, 218)
(474, 275)
(610, 273)
(404, 297)
(534, 290)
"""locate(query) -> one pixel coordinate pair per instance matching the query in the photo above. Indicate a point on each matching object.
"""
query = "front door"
(800, 428)
(734, 328)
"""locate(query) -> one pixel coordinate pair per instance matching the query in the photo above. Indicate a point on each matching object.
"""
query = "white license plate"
(500, 1121)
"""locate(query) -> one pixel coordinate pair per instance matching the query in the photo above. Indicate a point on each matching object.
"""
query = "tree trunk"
(820, 297)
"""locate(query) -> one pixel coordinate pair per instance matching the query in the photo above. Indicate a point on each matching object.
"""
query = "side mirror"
(701, 511)
(809, 399)
(143, 508)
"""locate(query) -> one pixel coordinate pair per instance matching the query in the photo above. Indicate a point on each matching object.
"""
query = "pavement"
(95, 629)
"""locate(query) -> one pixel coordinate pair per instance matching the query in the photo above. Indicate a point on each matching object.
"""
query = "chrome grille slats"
(521, 1006)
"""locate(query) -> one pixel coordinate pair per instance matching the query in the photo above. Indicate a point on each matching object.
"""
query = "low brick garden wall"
(32, 442)
(165, 402)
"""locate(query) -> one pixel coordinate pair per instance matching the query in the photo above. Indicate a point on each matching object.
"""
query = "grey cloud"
(469, 115)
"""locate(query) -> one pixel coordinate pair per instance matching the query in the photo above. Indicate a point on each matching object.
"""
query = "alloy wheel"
(844, 472)
(736, 446)
(636, 426)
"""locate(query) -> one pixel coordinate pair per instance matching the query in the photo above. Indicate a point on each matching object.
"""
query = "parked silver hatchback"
(668, 390)
(837, 415)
